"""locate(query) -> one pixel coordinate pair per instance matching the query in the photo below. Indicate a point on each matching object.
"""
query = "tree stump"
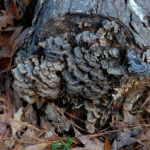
(95, 52)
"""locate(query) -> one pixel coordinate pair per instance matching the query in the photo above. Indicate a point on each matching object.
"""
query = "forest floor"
(19, 122)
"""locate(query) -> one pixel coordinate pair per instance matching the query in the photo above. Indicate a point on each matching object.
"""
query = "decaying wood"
(93, 50)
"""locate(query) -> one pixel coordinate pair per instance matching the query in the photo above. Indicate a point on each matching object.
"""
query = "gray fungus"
(87, 64)
(137, 65)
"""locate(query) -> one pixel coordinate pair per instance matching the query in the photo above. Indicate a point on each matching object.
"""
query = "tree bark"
(132, 13)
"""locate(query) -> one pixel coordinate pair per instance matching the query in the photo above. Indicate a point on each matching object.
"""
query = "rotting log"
(94, 51)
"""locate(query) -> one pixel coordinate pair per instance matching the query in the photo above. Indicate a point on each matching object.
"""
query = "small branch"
(13, 66)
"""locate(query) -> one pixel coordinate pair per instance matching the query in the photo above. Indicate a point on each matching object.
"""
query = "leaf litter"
(19, 125)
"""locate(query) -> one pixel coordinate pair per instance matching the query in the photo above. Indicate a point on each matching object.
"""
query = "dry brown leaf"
(148, 108)
(15, 126)
(14, 36)
(18, 40)
(147, 143)
(3, 104)
(128, 117)
(18, 147)
(9, 45)
(6, 4)
(4, 118)
(10, 143)
(6, 19)
(14, 9)
(45, 124)
(3, 146)
(4, 46)
(4, 123)
(25, 3)
(4, 38)
(107, 144)
(94, 144)
(28, 137)
(2, 98)
(142, 137)
(13, 42)
(89, 144)
(4, 49)
(30, 115)
(4, 62)
(18, 114)
(123, 139)
(22, 5)
(79, 148)
(37, 146)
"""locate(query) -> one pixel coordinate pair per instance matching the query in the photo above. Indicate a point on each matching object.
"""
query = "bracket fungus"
(87, 61)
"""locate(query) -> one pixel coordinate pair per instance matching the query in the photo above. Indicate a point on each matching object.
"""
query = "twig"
(13, 66)
(147, 100)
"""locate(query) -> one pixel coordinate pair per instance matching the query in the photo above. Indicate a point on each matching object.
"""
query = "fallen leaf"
(2, 97)
(28, 137)
(128, 117)
(18, 114)
(19, 40)
(94, 144)
(10, 143)
(4, 118)
(37, 146)
(107, 144)
(4, 49)
(4, 62)
(3, 146)
(30, 115)
(14, 9)
(25, 3)
(14, 43)
(4, 46)
(148, 108)
(89, 144)
(147, 143)
(79, 148)
(9, 45)
(4, 124)
(6, 4)
(132, 121)
(117, 106)
(124, 139)
(148, 133)
(142, 137)
(114, 145)
(22, 5)
(4, 38)
(16, 127)
(14, 36)
(18, 146)
(6, 19)
(45, 124)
